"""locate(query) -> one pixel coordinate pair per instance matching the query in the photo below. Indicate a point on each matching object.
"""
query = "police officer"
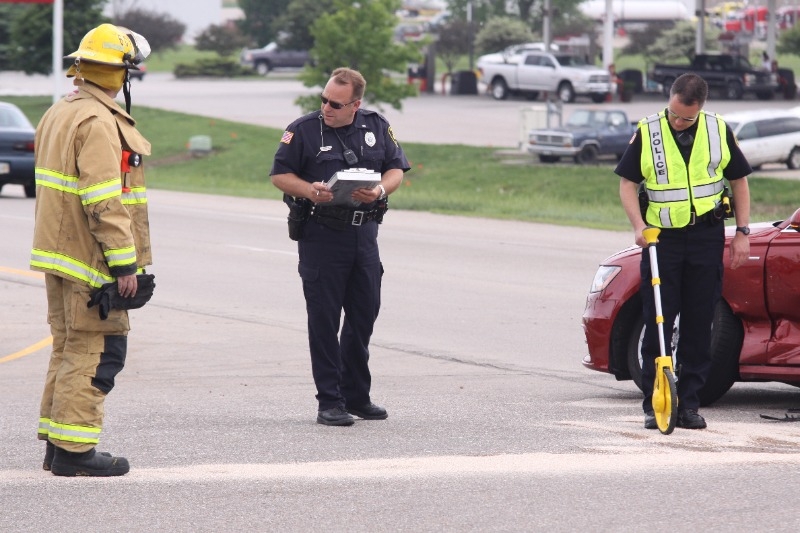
(682, 155)
(340, 264)
(91, 229)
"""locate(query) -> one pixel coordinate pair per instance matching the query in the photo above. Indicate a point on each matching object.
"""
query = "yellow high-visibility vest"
(674, 187)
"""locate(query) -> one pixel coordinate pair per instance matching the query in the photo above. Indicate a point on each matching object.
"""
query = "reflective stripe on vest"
(121, 256)
(69, 184)
(72, 433)
(674, 187)
(57, 262)
(136, 195)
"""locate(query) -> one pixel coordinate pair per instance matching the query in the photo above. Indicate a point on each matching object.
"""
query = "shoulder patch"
(287, 137)
(633, 137)
(391, 134)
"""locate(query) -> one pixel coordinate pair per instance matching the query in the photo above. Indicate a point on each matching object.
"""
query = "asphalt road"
(494, 424)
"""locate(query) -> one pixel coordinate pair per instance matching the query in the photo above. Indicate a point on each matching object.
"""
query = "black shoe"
(369, 411)
(335, 417)
(650, 420)
(689, 419)
(88, 463)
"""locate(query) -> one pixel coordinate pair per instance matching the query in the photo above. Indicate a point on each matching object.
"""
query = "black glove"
(107, 297)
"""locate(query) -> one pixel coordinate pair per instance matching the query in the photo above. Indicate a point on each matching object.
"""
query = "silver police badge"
(369, 138)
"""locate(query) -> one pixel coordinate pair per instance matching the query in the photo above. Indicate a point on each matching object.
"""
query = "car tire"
(30, 190)
(734, 91)
(794, 159)
(499, 89)
(726, 345)
(666, 86)
(566, 93)
(263, 68)
(587, 155)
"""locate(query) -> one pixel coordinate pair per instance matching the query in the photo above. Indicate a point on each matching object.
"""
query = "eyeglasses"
(335, 105)
(685, 119)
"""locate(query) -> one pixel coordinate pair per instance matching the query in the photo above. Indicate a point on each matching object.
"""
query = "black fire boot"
(49, 450)
(88, 463)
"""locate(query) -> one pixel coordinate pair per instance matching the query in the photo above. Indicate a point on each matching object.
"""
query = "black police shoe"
(650, 420)
(689, 419)
(335, 417)
(88, 463)
(369, 411)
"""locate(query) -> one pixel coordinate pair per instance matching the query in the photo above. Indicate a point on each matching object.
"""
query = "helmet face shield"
(140, 46)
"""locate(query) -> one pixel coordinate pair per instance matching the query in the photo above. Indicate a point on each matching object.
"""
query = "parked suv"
(767, 136)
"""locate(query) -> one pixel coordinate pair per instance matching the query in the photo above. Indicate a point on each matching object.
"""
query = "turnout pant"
(87, 355)
(690, 267)
(341, 270)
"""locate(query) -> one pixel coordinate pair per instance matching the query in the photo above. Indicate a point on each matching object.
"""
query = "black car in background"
(16, 149)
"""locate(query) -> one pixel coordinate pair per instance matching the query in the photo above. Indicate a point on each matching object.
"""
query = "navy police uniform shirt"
(315, 151)
(630, 166)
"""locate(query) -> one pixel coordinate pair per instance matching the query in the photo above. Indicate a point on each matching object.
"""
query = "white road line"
(442, 466)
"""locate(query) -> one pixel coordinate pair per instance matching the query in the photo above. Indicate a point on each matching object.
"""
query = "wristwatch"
(382, 195)
(743, 229)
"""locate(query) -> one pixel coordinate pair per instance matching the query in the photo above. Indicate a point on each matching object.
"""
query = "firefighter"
(91, 239)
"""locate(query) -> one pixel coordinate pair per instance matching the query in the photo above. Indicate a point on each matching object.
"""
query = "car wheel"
(734, 91)
(499, 89)
(566, 93)
(30, 190)
(548, 158)
(726, 345)
(666, 86)
(794, 159)
(263, 68)
(587, 155)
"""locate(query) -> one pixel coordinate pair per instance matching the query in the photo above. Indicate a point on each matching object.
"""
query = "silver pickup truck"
(535, 72)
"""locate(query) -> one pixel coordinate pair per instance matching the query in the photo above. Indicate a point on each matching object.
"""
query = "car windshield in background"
(571, 61)
(13, 118)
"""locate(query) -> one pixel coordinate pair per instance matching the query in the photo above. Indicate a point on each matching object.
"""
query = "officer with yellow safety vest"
(682, 155)
(92, 241)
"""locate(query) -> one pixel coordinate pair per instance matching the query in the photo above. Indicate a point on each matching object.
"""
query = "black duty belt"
(341, 217)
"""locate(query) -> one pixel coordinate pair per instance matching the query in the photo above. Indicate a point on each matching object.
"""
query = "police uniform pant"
(341, 271)
(87, 355)
(690, 268)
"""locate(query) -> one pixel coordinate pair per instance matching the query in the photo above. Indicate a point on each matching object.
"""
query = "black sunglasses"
(335, 105)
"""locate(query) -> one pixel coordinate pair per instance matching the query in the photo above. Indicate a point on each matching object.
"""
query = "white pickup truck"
(534, 72)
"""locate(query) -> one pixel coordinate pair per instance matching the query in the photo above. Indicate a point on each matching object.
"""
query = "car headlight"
(604, 275)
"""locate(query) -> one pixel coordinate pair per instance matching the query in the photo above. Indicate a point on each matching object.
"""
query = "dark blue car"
(16, 149)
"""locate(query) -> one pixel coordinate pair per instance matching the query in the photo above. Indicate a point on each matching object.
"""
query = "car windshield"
(571, 61)
(11, 117)
(587, 118)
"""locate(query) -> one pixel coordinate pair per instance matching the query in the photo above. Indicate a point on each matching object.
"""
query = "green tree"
(162, 31)
(789, 41)
(358, 34)
(32, 33)
(8, 12)
(260, 15)
(500, 32)
(223, 40)
(678, 43)
(294, 25)
(453, 42)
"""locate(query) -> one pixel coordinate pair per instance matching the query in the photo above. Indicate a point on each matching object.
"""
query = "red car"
(756, 329)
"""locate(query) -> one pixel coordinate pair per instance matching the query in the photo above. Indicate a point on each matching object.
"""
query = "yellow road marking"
(27, 351)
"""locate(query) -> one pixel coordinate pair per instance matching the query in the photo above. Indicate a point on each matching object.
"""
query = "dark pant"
(341, 270)
(690, 268)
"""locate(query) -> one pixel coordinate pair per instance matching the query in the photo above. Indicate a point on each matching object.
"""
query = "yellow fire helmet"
(112, 45)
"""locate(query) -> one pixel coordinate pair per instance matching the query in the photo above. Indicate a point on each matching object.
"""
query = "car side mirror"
(794, 221)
